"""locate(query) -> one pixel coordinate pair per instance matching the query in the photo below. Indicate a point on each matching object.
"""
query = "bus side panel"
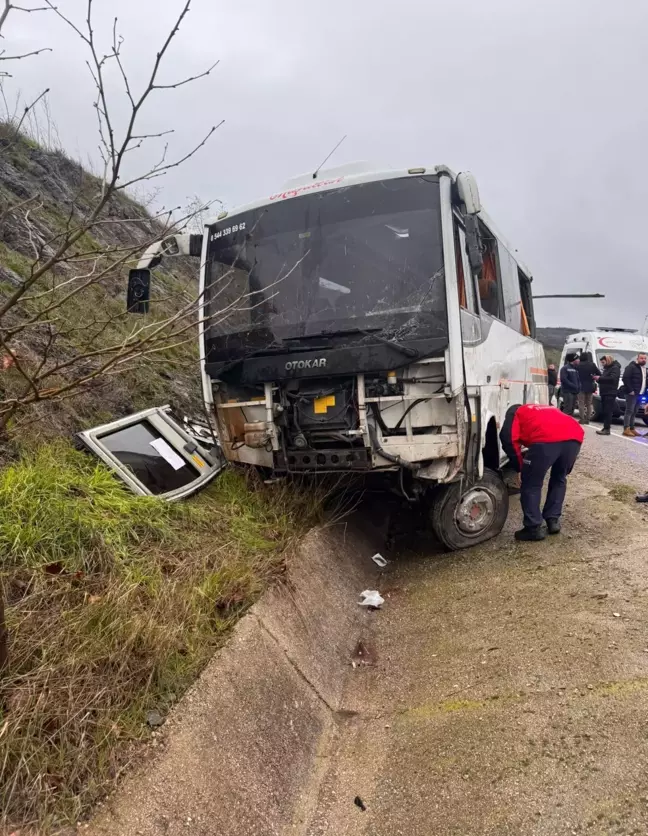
(507, 368)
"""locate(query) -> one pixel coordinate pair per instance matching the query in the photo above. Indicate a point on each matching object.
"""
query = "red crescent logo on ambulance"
(608, 342)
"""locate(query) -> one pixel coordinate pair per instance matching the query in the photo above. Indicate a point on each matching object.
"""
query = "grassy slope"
(115, 604)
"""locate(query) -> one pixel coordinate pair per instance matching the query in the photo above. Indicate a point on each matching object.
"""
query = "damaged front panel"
(155, 454)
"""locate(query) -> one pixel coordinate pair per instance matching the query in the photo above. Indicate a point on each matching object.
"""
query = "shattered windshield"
(365, 257)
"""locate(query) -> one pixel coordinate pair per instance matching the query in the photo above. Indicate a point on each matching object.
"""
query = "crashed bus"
(367, 322)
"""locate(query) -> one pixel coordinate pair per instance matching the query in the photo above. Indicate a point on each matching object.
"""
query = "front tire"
(464, 517)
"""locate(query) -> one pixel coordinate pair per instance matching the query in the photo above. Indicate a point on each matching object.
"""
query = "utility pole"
(571, 296)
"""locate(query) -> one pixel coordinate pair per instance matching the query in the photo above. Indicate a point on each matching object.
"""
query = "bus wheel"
(463, 517)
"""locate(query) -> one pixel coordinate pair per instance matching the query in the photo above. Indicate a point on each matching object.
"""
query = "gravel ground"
(510, 689)
(615, 459)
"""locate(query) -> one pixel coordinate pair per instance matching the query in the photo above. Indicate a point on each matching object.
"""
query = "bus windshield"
(365, 257)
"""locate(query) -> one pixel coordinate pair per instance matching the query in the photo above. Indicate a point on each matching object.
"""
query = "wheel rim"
(475, 511)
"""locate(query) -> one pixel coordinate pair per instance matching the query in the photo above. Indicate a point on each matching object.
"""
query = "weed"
(623, 493)
(15, 261)
(114, 604)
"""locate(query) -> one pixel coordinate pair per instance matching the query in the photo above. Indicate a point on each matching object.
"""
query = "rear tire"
(464, 518)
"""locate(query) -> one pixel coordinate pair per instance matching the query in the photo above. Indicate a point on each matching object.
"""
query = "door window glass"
(141, 448)
(490, 290)
(465, 281)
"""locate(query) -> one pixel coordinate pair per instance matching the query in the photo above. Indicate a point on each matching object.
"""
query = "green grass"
(114, 605)
(623, 493)
(15, 261)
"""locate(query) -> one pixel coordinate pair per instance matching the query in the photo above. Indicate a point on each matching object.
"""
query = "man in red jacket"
(552, 440)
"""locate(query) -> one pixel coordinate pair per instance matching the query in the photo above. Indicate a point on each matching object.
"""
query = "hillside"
(554, 337)
(553, 340)
(43, 194)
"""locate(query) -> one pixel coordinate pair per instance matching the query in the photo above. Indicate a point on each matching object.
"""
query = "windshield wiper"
(371, 332)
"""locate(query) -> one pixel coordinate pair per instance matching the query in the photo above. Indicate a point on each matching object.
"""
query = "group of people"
(580, 377)
(539, 439)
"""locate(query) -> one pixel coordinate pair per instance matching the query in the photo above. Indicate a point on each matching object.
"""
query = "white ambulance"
(621, 343)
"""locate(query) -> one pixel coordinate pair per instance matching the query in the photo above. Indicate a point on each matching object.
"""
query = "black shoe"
(641, 497)
(603, 432)
(553, 525)
(537, 533)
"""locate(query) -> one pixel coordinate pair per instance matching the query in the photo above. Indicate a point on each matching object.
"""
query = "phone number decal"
(229, 230)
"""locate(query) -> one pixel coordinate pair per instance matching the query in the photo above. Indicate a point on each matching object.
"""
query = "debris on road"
(616, 614)
(379, 560)
(360, 803)
(363, 654)
(371, 598)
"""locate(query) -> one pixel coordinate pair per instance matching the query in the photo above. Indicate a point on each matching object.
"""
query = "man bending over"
(552, 441)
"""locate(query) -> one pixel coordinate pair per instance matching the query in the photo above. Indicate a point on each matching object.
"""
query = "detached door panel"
(154, 455)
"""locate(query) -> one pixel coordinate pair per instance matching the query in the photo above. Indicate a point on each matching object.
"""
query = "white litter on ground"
(371, 598)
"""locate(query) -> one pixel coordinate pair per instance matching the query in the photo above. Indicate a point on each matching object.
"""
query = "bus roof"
(352, 174)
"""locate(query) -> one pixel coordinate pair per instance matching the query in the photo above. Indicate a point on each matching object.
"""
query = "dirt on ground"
(510, 689)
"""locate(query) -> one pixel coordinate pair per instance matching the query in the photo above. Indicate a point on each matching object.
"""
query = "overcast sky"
(545, 102)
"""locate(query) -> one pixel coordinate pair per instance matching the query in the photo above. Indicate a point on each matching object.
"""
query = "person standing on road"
(552, 381)
(553, 441)
(634, 382)
(587, 371)
(569, 383)
(608, 384)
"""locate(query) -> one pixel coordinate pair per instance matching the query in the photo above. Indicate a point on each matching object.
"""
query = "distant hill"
(553, 340)
(555, 337)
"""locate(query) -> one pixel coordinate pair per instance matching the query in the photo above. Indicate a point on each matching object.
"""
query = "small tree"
(63, 322)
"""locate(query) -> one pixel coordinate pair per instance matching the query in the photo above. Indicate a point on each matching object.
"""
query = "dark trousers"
(607, 408)
(559, 456)
(569, 402)
(552, 389)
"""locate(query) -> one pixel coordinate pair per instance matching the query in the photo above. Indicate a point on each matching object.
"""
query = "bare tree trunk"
(4, 653)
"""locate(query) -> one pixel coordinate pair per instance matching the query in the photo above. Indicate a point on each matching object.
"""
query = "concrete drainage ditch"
(246, 748)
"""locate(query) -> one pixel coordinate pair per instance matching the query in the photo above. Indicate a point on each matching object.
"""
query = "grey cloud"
(543, 102)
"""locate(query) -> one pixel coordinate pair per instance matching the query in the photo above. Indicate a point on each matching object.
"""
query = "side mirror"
(468, 193)
(473, 244)
(139, 291)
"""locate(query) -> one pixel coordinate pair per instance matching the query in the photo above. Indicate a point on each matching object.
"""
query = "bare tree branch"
(64, 312)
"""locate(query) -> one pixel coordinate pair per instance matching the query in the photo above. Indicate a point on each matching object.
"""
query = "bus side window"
(527, 319)
(465, 281)
(490, 289)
